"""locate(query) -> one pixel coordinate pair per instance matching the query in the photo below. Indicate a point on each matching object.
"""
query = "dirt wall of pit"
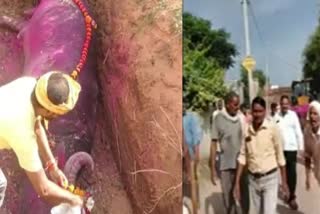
(140, 113)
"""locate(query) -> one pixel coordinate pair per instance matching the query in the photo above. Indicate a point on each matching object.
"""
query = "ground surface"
(138, 135)
(140, 73)
(211, 197)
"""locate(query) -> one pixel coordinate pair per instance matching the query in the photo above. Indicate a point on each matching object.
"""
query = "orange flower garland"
(78, 191)
(90, 23)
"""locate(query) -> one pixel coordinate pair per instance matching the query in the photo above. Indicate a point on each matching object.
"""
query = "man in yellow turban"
(27, 104)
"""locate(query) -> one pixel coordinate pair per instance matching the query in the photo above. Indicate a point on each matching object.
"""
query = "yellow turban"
(42, 95)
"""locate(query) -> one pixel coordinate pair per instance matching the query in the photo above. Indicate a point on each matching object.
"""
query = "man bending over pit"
(27, 104)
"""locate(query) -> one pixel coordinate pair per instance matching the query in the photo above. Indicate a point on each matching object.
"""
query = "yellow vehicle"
(302, 91)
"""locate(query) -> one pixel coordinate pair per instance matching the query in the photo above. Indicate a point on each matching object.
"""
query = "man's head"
(232, 102)
(56, 93)
(258, 110)
(220, 105)
(284, 104)
(273, 108)
(58, 89)
(314, 114)
(244, 108)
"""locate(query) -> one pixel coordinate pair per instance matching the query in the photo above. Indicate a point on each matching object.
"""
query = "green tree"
(311, 55)
(207, 54)
(201, 36)
(257, 74)
(203, 79)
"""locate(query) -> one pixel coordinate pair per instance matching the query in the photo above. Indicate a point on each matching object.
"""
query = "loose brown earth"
(137, 150)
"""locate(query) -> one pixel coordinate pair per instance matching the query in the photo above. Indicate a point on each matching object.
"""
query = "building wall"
(275, 94)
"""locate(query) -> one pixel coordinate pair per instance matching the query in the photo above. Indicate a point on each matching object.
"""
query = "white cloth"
(227, 115)
(291, 132)
(316, 105)
(275, 118)
(3, 187)
(68, 209)
(185, 210)
(215, 113)
(65, 209)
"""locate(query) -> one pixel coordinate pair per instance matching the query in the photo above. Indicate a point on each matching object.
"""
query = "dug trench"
(136, 146)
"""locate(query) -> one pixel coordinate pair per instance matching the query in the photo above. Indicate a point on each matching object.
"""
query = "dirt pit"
(137, 148)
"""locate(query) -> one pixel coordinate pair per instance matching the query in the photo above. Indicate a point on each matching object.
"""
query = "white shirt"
(291, 132)
(274, 118)
(215, 113)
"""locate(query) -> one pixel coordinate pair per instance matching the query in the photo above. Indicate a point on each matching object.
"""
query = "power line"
(263, 41)
(255, 22)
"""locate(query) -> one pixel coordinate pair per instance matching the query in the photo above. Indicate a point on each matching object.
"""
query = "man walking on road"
(227, 130)
(273, 112)
(262, 153)
(218, 110)
(312, 143)
(290, 129)
(192, 134)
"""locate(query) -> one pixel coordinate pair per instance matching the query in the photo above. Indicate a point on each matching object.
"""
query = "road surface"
(211, 198)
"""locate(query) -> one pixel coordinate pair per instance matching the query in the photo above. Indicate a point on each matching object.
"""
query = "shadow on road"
(285, 210)
(215, 202)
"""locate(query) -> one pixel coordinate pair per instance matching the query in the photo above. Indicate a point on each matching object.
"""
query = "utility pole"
(268, 81)
(248, 62)
(246, 26)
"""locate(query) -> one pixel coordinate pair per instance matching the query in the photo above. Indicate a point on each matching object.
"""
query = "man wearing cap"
(27, 106)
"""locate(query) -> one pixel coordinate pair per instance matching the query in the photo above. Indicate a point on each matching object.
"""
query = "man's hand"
(51, 192)
(59, 178)
(308, 172)
(300, 156)
(212, 161)
(308, 184)
(77, 201)
(284, 189)
(213, 176)
(237, 193)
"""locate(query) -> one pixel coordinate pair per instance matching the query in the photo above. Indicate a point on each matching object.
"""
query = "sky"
(277, 43)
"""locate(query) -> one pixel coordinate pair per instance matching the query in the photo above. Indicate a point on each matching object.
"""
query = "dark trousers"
(291, 168)
(227, 185)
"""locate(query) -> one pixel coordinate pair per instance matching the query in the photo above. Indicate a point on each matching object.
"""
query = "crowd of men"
(252, 147)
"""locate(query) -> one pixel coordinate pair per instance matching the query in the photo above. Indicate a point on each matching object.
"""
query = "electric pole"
(249, 62)
(268, 81)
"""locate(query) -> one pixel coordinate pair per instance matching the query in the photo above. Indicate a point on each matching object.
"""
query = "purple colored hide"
(52, 40)
(10, 48)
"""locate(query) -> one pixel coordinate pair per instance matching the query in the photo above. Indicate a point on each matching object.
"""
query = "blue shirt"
(192, 131)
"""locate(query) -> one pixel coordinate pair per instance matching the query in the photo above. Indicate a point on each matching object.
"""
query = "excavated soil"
(137, 149)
